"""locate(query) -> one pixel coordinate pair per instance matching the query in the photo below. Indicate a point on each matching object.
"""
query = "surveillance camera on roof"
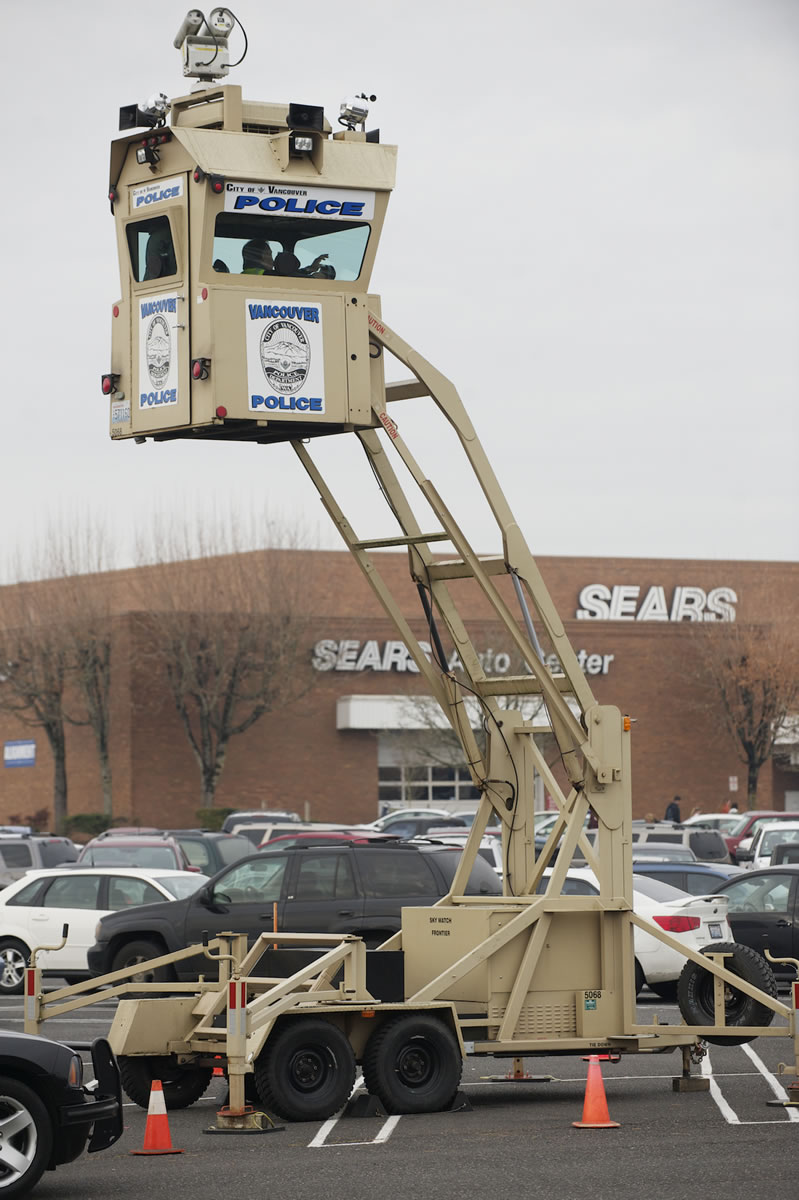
(204, 42)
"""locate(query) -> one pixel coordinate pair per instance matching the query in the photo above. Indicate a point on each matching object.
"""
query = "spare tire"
(695, 992)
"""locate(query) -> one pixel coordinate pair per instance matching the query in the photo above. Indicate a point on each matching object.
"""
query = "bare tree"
(35, 667)
(753, 670)
(56, 642)
(80, 554)
(230, 634)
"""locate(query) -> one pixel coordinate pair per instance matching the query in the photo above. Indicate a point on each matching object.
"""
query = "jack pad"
(690, 1083)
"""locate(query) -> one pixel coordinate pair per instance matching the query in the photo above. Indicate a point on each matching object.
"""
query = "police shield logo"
(158, 351)
(285, 356)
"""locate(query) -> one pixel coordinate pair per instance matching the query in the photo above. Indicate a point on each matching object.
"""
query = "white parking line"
(772, 1080)
(726, 1109)
(383, 1134)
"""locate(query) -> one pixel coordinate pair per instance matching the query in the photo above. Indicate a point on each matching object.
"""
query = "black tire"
(695, 992)
(182, 1085)
(666, 990)
(14, 957)
(139, 951)
(306, 1070)
(25, 1153)
(640, 981)
(413, 1064)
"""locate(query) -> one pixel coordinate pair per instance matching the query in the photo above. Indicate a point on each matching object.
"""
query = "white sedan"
(697, 921)
(34, 910)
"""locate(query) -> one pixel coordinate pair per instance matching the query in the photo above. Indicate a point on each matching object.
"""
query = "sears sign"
(629, 602)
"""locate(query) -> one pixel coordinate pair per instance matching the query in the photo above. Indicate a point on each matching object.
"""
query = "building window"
(426, 785)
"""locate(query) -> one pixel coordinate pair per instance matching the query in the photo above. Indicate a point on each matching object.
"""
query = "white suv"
(767, 839)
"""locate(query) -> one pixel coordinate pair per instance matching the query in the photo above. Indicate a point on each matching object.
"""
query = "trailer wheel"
(306, 1070)
(413, 1064)
(182, 1085)
(695, 992)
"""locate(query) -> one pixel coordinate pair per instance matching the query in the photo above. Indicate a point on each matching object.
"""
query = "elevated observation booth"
(247, 233)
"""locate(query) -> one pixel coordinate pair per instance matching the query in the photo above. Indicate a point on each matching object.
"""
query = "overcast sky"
(595, 235)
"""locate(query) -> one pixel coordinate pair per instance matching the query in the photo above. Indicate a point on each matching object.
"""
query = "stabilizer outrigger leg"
(691, 1055)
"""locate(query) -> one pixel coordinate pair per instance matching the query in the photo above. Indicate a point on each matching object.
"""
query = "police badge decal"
(285, 356)
(158, 351)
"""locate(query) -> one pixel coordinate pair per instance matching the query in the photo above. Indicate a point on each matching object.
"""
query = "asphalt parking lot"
(515, 1136)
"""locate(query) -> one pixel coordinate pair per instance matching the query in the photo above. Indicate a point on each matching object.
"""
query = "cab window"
(309, 248)
(152, 250)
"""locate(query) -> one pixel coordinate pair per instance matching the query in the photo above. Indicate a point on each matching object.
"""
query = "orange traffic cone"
(595, 1106)
(156, 1131)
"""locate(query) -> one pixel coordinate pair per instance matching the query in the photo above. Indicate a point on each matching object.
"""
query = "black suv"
(45, 1112)
(346, 888)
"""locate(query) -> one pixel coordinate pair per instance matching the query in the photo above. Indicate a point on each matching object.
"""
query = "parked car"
(402, 814)
(697, 921)
(694, 877)
(325, 837)
(749, 823)
(146, 850)
(662, 852)
(468, 818)
(343, 889)
(34, 910)
(763, 913)
(256, 816)
(209, 851)
(46, 1114)
(490, 847)
(724, 822)
(769, 837)
(257, 832)
(26, 852)
(410, 827)
(707, 844)
(648, 851)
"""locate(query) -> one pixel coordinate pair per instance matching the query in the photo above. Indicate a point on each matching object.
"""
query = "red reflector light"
(677, 924)
(108, 383)
(205, 293)
(221, 411)
(115, 310)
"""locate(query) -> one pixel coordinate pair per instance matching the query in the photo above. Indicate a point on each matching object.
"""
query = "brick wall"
(297, 759)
